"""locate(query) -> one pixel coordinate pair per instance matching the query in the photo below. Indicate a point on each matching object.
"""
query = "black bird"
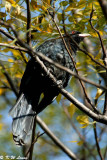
(34, 82)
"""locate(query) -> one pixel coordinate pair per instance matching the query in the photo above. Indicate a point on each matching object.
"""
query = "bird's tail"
(23, 120)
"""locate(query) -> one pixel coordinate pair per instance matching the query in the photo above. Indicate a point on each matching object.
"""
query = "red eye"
(73, 32)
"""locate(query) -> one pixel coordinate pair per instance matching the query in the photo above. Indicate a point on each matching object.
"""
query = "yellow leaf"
(71, 109)
(99, 93)
(96, 3)
(80, 143)
(101, 33)
(8, 6)
(44, 6)
(12, 2)
(44, 20)
(58, 98)
(69, 8)
(46, 2)
(18, 75)
(34, 4)
(81, 4)
(10, 60)
(42, 95)
(94, 34)
(98, 56)
(18, 10)
(1, 126)
(73, 141)
(94, 17)
(78, 64)
(39, 29)
(83, 119)
(49, 29)
(2, 14)
(1, 91)
(1, 116)
(15, 53)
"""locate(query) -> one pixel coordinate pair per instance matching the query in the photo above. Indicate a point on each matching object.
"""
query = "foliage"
(69, 15)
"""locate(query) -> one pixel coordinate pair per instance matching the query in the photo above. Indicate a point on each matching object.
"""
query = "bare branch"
(6, 34)
(97, 143)
(104, 56)
(51, 135)
(30, 151)
(103, 4)
(98, 117)
(65, 149)
(68, 48)
(9, 79)
(28, 23)
(77, 131)
(56, 140)
(35, 140)
(29, 43)
(56, 64)
(102, 46)
(12, 38)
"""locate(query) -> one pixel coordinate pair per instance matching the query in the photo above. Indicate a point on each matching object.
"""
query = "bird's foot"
(59, 83)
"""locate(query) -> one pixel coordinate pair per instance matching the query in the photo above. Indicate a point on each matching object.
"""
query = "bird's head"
(78, 36)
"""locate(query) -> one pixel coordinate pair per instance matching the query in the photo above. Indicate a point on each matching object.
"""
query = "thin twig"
(70, 54)
(56, 140)
(12, 38)
(28, 23)
(34, 141)
(9, 79)
(97, 143)
(101, 42)
(104, 56)
(105, 153)
(7, 34)
(50, 134)
(79, 134)
(82, 50)
(56, 64)
(29, 43)
(31, 148)
(97, 117)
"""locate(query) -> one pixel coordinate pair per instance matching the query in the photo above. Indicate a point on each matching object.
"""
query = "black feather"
(34, 82)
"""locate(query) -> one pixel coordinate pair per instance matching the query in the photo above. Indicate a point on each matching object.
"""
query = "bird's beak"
(84, 35)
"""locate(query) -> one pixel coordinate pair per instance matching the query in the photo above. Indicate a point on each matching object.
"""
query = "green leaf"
(58, 98)
(2, 14)
(63, 3)
(71, 109)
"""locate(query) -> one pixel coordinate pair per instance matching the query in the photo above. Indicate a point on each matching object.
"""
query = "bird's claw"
(59, 83)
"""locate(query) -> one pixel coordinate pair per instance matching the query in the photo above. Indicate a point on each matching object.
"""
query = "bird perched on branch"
(34, 82)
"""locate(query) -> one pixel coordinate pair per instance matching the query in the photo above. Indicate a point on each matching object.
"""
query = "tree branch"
(52, 136)
(103, 4)
(104, 57)
(9, 79)
(44, 127)
(97, 117)
(29, 43)
(28, 23)
(97, 143)
(101, 42)
(56, 64)
(55, 139)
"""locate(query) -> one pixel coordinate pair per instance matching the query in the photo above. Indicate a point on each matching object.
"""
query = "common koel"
(34, 82)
